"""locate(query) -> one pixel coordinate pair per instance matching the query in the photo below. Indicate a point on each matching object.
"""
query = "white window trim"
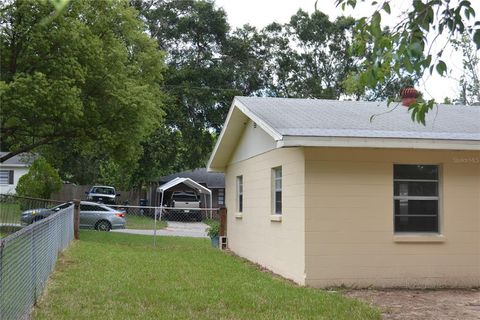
(274, 191)
(7, 171)
(239, 192)
(221, 194)
(421, 236)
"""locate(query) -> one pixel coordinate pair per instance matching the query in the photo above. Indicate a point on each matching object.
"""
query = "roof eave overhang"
(215, 164)
(369, 142)
(13, 165)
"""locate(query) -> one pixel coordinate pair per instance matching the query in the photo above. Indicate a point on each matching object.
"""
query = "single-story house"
(322, 194)
(215, 181)
(11, 170)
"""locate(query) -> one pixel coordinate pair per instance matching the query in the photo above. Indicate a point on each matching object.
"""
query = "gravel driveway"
(423, 304)
(175, 229)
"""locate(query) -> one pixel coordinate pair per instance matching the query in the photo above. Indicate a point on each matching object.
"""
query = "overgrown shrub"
(40, 182)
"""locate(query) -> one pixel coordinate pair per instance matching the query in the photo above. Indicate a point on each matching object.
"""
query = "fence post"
(76, 218)
(223, 222)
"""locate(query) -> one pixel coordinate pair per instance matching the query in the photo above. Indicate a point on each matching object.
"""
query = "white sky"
(260, 13)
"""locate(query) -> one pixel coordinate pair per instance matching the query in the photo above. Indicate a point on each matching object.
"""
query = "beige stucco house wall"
(255, 234)
(337, 221)
(349, 236)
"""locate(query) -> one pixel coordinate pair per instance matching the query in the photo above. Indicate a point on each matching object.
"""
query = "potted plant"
(213, 232)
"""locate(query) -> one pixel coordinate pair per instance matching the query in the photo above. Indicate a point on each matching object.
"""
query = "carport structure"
(189, 183)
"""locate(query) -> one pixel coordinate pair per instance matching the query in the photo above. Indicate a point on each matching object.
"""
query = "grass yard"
(143, 223)
(9, 218)
(120, 276)
(10, 213)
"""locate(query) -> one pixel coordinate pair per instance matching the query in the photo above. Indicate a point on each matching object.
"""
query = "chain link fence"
(28, 256)
(139, 217)
(12, 207)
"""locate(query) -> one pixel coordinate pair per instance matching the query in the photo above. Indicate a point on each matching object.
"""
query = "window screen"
(240, 193)
(416, 198)
(277, 190)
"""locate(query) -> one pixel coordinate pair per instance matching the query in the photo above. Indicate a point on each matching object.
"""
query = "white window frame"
(275, 189)
(7, 181)
(437, 198)
(239, 194)
(221, 197)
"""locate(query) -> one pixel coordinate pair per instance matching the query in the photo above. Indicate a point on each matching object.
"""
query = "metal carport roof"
(186, 181)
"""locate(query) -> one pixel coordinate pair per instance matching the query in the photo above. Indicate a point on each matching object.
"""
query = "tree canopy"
(87, 80)
(123, 92)
(208, 63)
(406, 49)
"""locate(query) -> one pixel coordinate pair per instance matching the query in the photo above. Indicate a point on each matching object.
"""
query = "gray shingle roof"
(200, 175)
(23, 159)
(331, 118)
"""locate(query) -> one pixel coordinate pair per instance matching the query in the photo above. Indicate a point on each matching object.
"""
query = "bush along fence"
(28, 256)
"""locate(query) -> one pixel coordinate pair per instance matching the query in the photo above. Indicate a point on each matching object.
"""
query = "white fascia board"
(262, 124)
(217, 144)
(13, 165)
(300, 141)
(240, 106)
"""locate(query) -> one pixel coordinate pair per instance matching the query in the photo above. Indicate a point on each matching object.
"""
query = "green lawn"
(145, 223)
(9, 216)
(120, 276)
(10, 213)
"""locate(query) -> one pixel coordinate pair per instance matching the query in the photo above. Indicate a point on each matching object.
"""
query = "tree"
(469, 81)
(40, 181)
(192, 33)
(406, 46)
(77, 81)
(307, 57)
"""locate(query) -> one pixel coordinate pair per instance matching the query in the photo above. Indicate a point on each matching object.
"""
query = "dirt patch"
(422, 304)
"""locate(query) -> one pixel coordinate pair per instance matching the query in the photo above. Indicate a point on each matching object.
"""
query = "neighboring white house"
(11, 171)
(322, 195)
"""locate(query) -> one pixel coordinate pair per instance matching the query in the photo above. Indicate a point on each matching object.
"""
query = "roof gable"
(19, 160)
(200, 175)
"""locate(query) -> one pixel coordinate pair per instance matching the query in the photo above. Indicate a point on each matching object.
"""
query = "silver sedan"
(92, 216)
(98, 216)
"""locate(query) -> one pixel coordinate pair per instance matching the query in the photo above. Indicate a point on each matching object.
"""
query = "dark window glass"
(221, 196)
(278, 202)
(416, 224)
(185, 198)
(101, 190)
(415, 172)
(240, 193)
(61, 207)
(416, 200)
(415, 189)
(277, 190)
(98, 208)
(88, 207)
(416, 207)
